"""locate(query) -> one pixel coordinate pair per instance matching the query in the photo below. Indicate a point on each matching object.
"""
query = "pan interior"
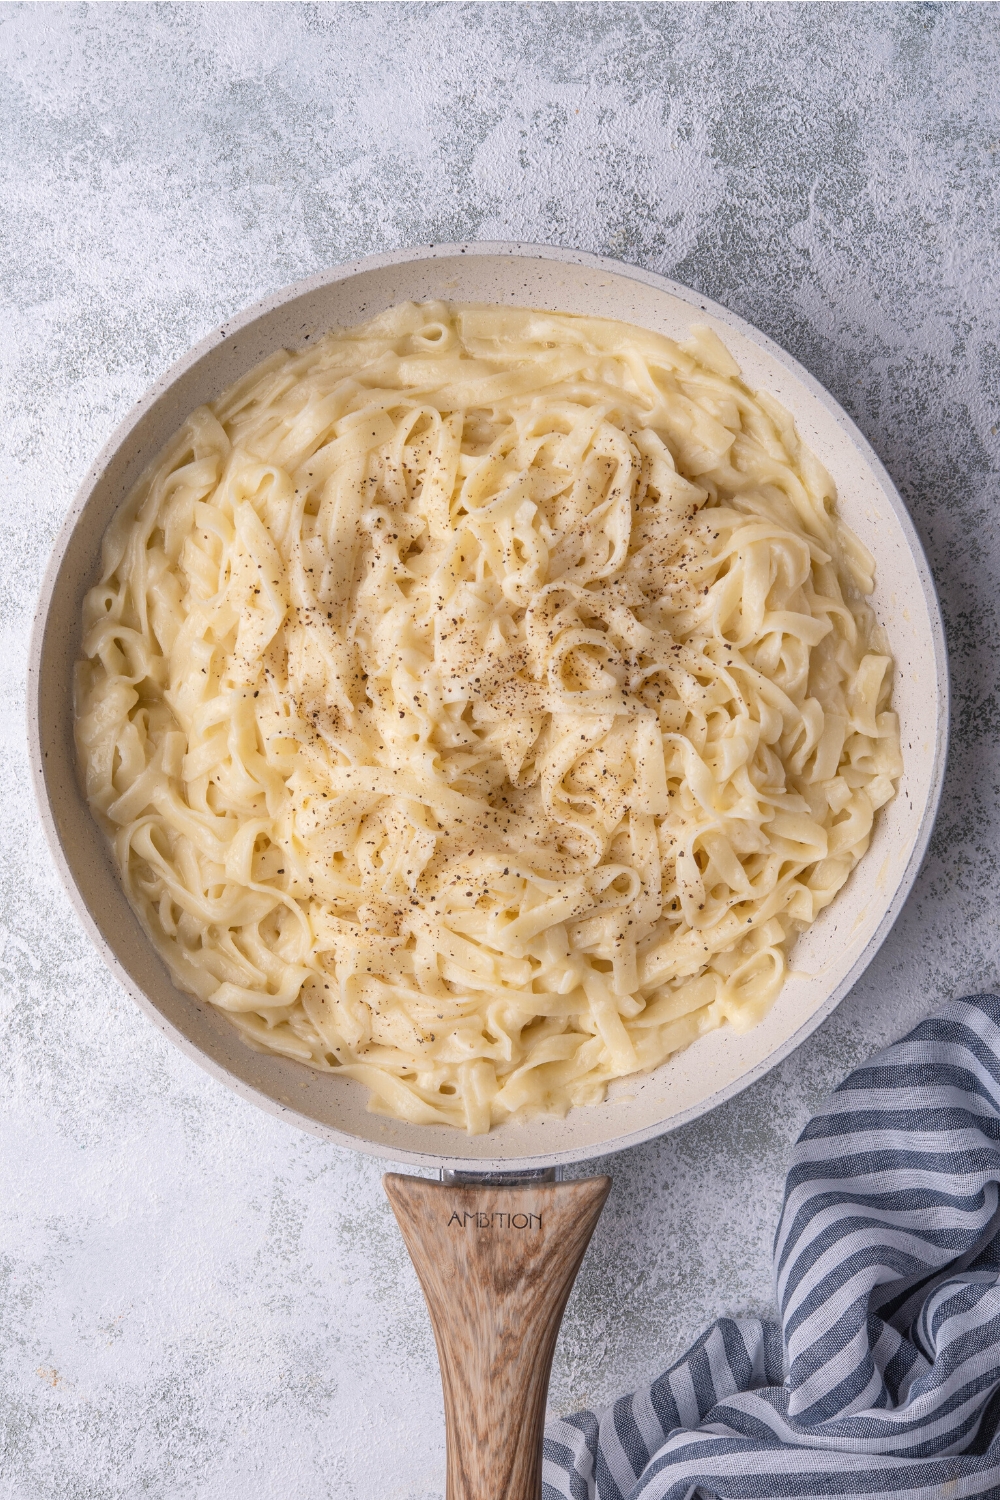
(825, 961)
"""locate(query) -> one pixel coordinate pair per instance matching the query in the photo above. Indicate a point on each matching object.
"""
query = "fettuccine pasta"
(481, 700)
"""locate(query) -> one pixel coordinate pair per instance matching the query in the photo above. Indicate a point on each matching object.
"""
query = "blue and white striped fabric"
(884, 1379)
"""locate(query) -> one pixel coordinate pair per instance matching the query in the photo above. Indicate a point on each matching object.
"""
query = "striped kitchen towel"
(884, 1378)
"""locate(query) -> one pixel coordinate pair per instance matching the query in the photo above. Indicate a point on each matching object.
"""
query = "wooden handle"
(496, 1265)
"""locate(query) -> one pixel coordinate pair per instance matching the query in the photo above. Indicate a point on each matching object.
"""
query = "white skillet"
(496, 1402)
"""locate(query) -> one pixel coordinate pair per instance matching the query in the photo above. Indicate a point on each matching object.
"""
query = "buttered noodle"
(480, 702)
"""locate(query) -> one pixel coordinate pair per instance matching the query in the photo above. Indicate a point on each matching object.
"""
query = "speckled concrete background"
(198, 1301)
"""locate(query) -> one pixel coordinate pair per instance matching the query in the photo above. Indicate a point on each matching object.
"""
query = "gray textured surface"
(196, 1300)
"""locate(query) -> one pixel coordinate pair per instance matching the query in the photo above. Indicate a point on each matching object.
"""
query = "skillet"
(495, 1285)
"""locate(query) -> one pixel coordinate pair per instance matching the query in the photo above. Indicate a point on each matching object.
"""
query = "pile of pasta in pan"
(481, 700)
